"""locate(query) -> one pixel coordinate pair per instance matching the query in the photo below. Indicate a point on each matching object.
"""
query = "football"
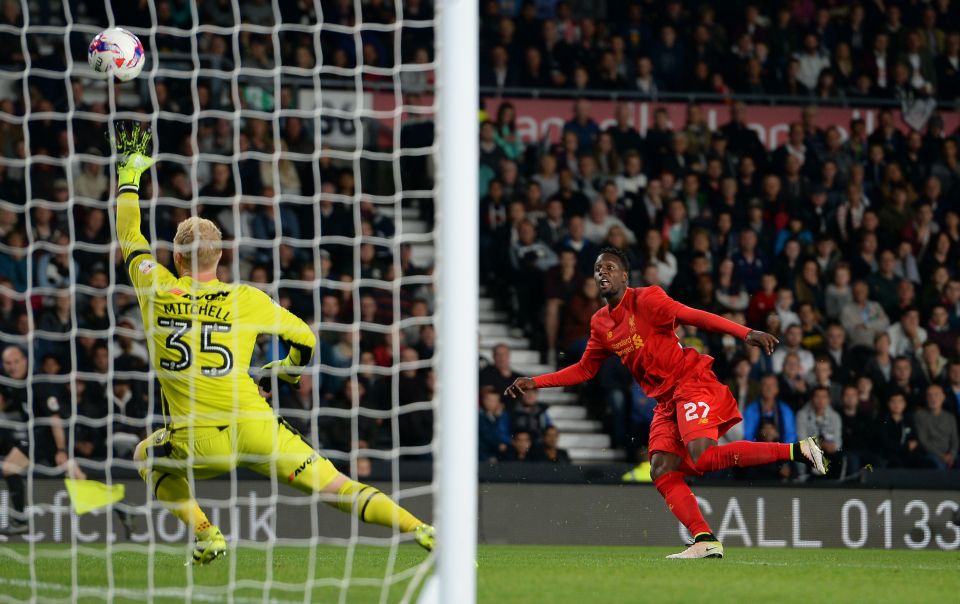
(116, 51)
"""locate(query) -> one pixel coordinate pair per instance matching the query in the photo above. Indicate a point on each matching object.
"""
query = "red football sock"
(742, 454)
(682, 502)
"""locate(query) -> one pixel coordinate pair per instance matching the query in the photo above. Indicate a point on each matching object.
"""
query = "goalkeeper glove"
(132, 156)
(267, 384)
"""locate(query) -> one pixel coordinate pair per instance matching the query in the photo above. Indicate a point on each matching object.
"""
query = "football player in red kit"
(693, 408)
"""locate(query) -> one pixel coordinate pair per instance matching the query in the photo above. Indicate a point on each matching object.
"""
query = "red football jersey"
(641, 330)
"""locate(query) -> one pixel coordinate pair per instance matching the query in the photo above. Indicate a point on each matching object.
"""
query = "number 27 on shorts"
(696, 412)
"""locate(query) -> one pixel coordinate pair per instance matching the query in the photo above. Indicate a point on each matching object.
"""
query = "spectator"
(626, 139)
(54, 321)
(762, 302)
(530, 259)
(520, 449)
(792, 344)
(897, 435)
(880, 366)
(843, 363)
(583, 126)
(560, 285)
(14, 264)
(577, 314)
(904, 381)
(769, 409)
(659, 256)
(906, 335)
(221, 183)
(491, 154)
(952, 389)
(883, 283)
(585, 249)
(937, 430)
(810, 324)
(549, 452)
(742, 139)
(940, 331)
(947, 67)
(869, 400)
(839, 293)
(862, 318)
(130, 409)
(784, 308)
(552, 228)
(494, 426)
(667, 56)
(859, 440)
(498, 73)
(749, 265)
(530, 416)
(47, 437)
(933, 367)
(793, 382)
(744, 389)
(906, 299)
(499, 375)
(822, 377)
(818, 419)
(415, 386)
(599, 223)
(812, 61)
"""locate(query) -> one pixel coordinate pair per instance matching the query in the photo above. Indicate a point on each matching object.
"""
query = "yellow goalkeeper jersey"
(201, 335)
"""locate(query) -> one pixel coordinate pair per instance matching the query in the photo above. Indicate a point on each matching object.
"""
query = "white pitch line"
(133, 593)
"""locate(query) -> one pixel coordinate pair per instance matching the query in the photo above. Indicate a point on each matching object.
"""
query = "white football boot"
(812, 451)
(702, 549)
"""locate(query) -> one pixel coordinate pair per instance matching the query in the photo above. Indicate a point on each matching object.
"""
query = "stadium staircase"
(582, 437)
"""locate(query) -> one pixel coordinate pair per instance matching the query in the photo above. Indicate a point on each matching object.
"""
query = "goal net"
(310, 132)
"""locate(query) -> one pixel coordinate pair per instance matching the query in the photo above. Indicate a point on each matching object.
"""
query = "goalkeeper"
(201, 335)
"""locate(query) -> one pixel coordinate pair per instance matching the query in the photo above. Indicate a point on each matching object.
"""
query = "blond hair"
(198, 235)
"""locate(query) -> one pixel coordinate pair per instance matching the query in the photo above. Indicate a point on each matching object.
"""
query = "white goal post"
(458, 45)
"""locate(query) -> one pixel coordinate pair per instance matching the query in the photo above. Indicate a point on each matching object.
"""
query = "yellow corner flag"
(641, 473)
(89, 495)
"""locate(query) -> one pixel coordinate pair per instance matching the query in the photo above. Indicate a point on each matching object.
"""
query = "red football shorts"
(700, 408)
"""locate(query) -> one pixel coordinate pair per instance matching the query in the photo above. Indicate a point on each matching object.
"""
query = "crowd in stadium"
(831, 51)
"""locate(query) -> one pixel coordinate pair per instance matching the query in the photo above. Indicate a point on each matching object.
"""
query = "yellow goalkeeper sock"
(374, 507)
(174, 493)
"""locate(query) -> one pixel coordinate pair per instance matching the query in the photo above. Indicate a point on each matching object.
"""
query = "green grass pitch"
(527, 574)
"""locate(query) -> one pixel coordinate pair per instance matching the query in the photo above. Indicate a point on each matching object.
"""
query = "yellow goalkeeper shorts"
(264, 446)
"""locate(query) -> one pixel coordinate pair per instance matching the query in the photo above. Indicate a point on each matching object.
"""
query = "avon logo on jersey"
(302, 467)
(208, 297)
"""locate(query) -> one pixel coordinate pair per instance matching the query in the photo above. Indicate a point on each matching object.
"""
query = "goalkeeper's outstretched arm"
(133, 160)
